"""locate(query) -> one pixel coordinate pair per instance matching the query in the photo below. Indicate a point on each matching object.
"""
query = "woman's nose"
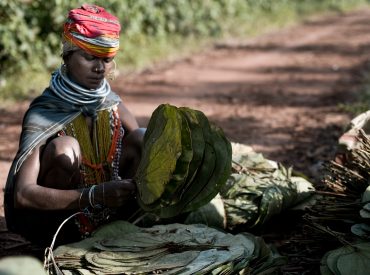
(99, 66)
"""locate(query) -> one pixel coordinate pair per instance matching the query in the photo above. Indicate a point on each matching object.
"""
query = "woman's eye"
(89, 57)
(108, 60)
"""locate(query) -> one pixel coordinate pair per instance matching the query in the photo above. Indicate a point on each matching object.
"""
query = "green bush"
(30, 31)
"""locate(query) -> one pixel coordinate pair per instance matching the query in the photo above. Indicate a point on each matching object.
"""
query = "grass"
(139, 52)
(361, 103)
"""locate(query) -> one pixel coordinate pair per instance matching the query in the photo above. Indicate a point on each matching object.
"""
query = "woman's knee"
(64, 149)
(60, 159)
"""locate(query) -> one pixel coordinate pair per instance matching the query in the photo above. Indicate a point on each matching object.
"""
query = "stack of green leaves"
(185, 162)
(257, 190)
(122, 248)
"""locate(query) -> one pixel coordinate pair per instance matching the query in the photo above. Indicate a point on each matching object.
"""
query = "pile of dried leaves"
(122, 248)
(256, 190)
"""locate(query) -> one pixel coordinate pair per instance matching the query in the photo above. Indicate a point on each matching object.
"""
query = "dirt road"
(278, 93)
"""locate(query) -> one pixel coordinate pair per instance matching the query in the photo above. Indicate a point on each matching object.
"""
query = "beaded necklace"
(100, 151)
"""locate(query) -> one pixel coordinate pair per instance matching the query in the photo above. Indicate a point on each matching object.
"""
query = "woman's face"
(87, 70)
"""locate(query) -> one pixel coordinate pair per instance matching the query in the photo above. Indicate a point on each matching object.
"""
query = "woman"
(79, 145)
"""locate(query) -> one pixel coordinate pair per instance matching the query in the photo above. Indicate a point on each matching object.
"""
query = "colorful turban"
(92, 29)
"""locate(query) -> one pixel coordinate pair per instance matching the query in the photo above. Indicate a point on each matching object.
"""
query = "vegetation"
(152, 30)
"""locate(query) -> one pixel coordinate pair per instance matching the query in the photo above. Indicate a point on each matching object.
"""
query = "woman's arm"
(31, 194)
(128, 120)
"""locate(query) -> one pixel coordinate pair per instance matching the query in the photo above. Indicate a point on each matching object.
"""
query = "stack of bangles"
(91, 196)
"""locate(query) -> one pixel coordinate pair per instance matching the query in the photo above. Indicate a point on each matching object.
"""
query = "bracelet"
(79, 200)
(91, 193)
(92, 198)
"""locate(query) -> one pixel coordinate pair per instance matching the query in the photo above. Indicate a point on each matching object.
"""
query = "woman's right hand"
(115, 193)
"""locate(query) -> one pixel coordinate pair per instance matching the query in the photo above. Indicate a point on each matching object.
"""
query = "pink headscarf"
(92, 29)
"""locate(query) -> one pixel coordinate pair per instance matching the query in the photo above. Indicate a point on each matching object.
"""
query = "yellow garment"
(96, 149)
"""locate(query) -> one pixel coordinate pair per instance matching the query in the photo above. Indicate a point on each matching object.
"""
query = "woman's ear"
(66, 56)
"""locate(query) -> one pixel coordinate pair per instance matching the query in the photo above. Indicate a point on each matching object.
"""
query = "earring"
(112, 73)
(63, 69)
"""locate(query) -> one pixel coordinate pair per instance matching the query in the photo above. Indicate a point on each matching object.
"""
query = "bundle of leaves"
(343, 210)
(256, 190)
(186, 160)
(123, 248)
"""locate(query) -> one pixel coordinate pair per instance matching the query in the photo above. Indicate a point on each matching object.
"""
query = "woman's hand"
(114, 193)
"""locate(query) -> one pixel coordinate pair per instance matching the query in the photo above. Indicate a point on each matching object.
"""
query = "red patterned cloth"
(94, 30)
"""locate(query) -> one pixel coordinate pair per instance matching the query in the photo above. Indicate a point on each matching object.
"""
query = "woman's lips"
(96, 79)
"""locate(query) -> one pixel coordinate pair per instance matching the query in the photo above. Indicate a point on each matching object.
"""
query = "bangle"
(92, 198)
(79, 200)
(91, 190)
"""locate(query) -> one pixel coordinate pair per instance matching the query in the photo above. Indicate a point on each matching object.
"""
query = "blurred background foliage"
(152, 30)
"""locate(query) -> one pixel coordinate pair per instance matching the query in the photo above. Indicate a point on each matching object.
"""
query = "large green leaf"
(221, 172)
(198, 145)
(161, 150)
(204, 173)
(180, 174)
(211, 175)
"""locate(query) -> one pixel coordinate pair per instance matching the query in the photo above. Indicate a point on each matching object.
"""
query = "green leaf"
(361, 229)
(324, 269)
(198, 145)
(357, 261)
(202, 178)
(161, 150)
(180, 174)
(221, 172)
